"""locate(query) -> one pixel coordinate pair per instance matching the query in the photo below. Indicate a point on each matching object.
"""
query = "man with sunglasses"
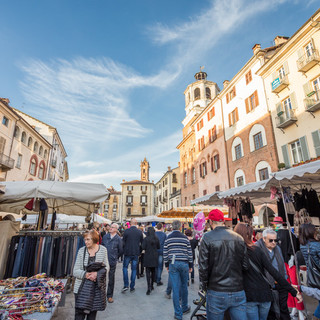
(269, 246)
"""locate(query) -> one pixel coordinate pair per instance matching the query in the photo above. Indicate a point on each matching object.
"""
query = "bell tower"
(145, 170)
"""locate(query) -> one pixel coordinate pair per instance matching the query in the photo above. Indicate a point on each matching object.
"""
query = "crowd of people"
(245, 274)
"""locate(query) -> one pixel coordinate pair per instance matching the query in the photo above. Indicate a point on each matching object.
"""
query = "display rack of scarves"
(53, 253)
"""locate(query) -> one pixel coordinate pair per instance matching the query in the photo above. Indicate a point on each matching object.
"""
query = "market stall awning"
(189, 211)
(208, 199)
(72, 198)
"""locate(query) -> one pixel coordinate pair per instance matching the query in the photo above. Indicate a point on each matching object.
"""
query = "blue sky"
(110, 75)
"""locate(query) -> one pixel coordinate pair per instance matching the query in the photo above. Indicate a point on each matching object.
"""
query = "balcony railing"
(143, 203)
(54, 163)
(285, 119)
(312, 102)
(6, 163)
(308, 60)
(129, 204)
(279, 84)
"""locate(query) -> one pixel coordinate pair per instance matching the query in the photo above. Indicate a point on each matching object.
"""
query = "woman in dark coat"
(151, 245)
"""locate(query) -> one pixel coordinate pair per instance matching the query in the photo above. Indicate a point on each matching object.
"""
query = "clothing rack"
(51, 232)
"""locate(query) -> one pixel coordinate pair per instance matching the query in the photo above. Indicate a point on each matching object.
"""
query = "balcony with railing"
(279, 84)
(285, 119)
(308, 60)
(312, 102)
(6, 163)
(129, 204)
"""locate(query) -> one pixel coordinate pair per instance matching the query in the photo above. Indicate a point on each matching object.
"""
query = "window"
(203, 169)
(231, 94)
(248, 77)
(130, 188)
(143, 211)
(114, 208)
(193, 175)
(2, 144)
(212, 134)
(233, 117)
(23, 137)
(174, 190)
(19, 161)
(106, 207)
(258, 142)
(185, 179)
(174, 178)
(33, 165)
(45, 154)
(200, 124)
(114, 216)
(16, 133)
(216, 162)
(40, 151)
(252, 102)
(217, 188)
(211, 113)
(129, 199)
(129, 211)
(238, 151)
(201, 144)
(296, 151)
(144, 188)
(143, 199)
(5, 121)
(240, 181)
(196, 94)
(204, 192)
(35, 147)
(41, 171)
(166, 181)
(208, 93)
(316, 84)
(30, 142)
(185, 201)
(309, 49)
(263, 174)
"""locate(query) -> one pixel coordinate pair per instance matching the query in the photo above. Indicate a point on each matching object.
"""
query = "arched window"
(239, 178)
(29, 142)
(196, 93)
(16, 133)
(257, 137)
(193, 175)
(45, 154)
(41, 172)
(237, 149)
(208, 93)
(185, 179)
(262, 171)
(40, 150)
(33, 165)
(35, 147)
(23, 137)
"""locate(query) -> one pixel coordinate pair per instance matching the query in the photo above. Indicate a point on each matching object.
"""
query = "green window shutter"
(286, 67)
(293, 100)
(307, 88)
(316, 142)
(304, 148)
(285, 154)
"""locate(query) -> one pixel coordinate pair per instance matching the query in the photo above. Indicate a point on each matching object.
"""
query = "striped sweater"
(177, 244)
(78, 271)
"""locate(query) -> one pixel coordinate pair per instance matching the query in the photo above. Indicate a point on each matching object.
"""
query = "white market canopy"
(259, 192)
(72, 198)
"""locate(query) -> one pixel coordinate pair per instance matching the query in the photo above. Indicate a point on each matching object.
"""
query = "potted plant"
(281, 166)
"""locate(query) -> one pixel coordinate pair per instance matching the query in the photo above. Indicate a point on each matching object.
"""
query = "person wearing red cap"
(222, 257)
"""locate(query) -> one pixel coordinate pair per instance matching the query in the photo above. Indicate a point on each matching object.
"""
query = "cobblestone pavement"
(136, 305)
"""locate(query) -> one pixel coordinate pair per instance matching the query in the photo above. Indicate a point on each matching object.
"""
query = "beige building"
(292, 82)
(24, 151)
(137, 196)
(167, 191)
(58, 167)
(112, 205)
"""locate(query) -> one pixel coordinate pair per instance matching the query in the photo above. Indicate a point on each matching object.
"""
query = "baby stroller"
(199, 312)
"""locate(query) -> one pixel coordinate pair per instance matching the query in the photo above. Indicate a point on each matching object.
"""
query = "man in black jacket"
(222, 258)
(113, 243)
(132, 241)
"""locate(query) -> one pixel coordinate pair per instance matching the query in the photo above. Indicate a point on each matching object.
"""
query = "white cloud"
(89, 164)
(100, 177)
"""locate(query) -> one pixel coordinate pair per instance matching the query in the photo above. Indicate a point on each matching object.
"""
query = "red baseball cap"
(216, 215)
(277, 220)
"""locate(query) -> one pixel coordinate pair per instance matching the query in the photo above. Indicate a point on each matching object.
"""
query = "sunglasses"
(273, 240)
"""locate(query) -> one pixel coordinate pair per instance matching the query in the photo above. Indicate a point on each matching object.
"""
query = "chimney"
(169, 168)
(225, 83)
(279, 40)
(123, 180)
(256, 48)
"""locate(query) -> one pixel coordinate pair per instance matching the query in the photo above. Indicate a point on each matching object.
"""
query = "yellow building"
(292, 84)
(112, 205)
(137, 196)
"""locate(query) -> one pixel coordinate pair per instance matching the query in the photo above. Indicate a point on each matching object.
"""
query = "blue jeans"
(178, 273)
(219, 302)
(134, 263)
(169, 286)
(317, 311)
(159, 268)
(258, 310)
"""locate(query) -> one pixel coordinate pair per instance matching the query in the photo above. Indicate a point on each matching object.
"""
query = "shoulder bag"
(275, 305)
(313, 272)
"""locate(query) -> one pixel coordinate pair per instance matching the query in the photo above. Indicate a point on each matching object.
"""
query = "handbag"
(313, 272)
(275, 305)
